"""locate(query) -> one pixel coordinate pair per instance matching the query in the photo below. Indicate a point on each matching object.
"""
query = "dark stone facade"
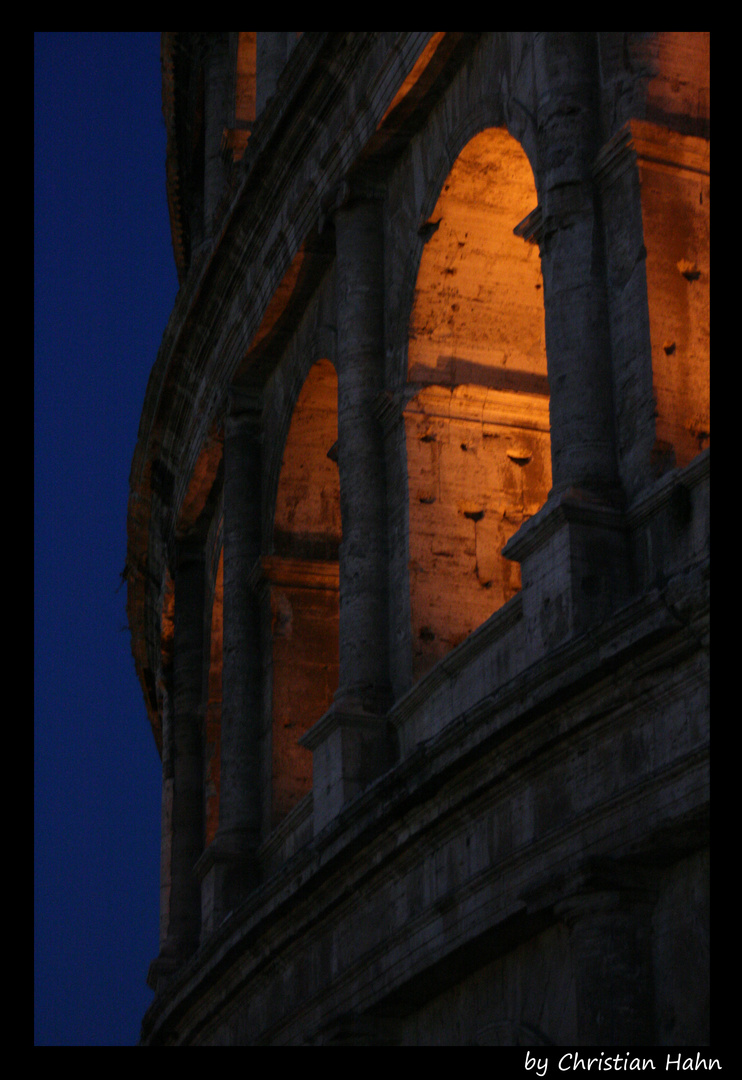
(419, 540)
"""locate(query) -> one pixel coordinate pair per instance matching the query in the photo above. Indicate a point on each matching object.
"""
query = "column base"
(170, 960)
(350, 748)
(229, 873)
(574, 567)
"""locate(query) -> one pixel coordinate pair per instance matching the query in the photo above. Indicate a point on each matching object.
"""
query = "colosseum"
(418, 541)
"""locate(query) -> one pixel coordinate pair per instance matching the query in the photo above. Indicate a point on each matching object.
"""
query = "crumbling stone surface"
(418, 558)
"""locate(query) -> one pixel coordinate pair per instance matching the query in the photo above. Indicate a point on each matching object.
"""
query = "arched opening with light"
(302, 573)
(477, 419)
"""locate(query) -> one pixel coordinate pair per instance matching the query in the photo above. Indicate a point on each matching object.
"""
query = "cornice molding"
(631, 638)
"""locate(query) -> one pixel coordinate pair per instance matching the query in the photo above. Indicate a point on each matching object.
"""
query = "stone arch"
(314, 341)
(306, 521)
(476, 413)
(500, 109)
(493, 113)
(302, 576)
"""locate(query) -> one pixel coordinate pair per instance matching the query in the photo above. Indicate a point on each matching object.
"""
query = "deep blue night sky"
(104, 286)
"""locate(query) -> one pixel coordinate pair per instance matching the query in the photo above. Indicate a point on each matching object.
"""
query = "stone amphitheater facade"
(419, 540)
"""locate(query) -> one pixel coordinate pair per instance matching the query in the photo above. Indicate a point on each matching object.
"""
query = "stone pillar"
(573, 263)
(272, 48)
(216, 84)
(390, 410)
(228, 867)
(350, 743)
(364, 605)
(610, 940)
(185, 802)
(573, 552)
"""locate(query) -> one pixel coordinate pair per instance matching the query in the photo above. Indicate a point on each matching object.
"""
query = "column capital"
(606, 907)
(189, 549)
(596, 886)
(531, 228)
(389, 407)
(638, 142)
(245, 407)
(345, 193)
(615, 157)
(161, 969)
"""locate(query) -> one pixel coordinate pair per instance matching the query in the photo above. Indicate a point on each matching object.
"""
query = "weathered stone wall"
(419, 536)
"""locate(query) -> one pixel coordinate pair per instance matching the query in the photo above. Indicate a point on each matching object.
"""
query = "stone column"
(390, 410)
(364, 604)
(228, 867)
(349, 744)
(216, 83)
(185, 764)
(611, 965)
(617, 180)
(272, 49)
(573, 552)
(573, 262)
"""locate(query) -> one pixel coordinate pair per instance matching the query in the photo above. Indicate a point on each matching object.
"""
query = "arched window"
(303, 577)
(477, 425)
